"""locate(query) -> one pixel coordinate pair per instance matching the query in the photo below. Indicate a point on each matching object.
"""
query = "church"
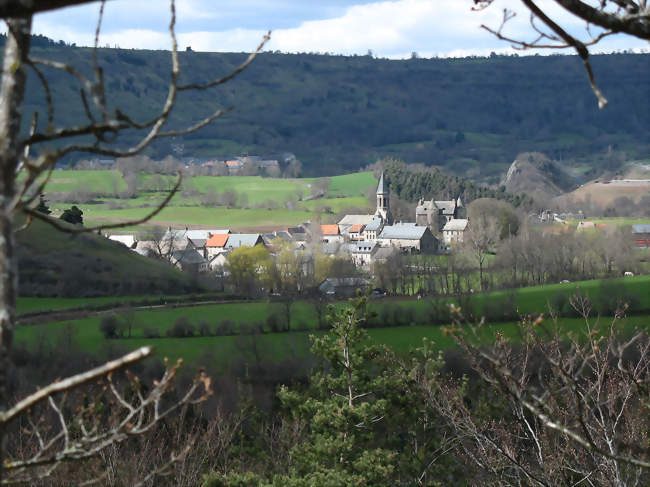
(380, 228)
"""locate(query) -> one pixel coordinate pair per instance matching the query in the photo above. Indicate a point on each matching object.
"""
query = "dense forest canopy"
(339, 113)
(410, 183)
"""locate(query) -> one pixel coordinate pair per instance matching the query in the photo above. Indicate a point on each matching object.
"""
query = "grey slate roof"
(192, 234)
(363, 247)
(447, 207)
(374, 225)
(641, 228)
(197, 242)
(404, 231)
(188, 256)
(350, 220)
(382, 188)
(458, 224)
(236, 240)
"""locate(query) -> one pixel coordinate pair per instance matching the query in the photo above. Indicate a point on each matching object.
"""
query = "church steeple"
(383, 205)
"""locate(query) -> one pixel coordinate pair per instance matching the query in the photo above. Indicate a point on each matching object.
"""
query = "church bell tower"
(383, 206)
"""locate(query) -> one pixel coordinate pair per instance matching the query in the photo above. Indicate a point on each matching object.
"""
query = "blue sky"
(393, 29)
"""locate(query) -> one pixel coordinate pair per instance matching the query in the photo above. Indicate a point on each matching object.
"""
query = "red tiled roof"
(217, 240)
(329, 229)
(357, 228)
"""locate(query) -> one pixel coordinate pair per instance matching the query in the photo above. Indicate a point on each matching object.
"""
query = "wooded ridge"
(471, 116)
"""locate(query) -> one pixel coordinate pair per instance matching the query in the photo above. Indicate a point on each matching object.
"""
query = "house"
(454, 230)
(237, 240)
(343, 287)
(298, 234)
(435, 214)
(331, 233)
(217, 263)
(372, 229)
(408, 237)
(198, 244)
(362, 253)
(641, 235)
(281, 235)
(189, 260)
(335, 248)
(234, 166)
(350, 220)
(355, 233)
(177, 239)
(216, 245)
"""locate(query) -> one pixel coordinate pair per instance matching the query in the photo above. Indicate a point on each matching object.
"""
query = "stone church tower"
(383, 205)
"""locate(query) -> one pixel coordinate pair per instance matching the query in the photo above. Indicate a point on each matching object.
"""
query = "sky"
(390, 29)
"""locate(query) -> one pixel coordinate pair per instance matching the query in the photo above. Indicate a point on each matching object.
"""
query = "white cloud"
(388, 28)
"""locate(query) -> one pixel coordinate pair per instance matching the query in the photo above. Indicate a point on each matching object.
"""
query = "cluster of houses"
(237, 164)
(365, 239)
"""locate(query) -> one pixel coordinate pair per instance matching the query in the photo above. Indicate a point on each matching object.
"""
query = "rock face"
(534, 174)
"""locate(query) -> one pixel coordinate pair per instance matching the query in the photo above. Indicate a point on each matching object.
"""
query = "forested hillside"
(336, 113)
(411, 183)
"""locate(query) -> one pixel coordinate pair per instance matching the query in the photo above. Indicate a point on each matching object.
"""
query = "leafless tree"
(603, 18)
(573, 409)
(23, 178)
(480, 240)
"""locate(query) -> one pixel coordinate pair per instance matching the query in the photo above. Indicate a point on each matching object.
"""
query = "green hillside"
(52, 263)
(338, 113)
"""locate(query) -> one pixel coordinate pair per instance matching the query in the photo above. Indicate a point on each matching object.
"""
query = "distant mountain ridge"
(469, 116)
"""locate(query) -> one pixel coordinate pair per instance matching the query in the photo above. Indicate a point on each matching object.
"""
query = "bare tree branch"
(74, 381)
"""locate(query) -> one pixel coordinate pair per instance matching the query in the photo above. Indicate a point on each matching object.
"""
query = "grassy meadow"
(259, 202)
(277, 345)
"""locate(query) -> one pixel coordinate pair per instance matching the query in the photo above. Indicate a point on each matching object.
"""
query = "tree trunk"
(14, 78)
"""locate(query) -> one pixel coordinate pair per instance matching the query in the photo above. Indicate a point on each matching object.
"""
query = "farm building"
(641, 235)
(454, 230)
(408, 237)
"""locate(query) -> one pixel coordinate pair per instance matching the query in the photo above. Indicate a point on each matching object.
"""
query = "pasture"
(255, 202)
(278, 345)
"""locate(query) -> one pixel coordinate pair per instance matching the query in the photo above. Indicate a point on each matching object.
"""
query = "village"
(364, 239)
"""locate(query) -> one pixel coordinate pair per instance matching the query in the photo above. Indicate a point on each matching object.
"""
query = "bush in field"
(274, 323)
(204, 329)
(182, 328)
(224, 327)
(109, 326)
(560, 302)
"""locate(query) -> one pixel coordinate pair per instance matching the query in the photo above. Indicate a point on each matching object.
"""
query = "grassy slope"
(51, 262)
(345, 191)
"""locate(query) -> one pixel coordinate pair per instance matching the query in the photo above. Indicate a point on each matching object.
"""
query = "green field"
(613, 221)
(194, 215)
(352, 184)
(256, 188)
(27, 305)
(278, 345)
(101, 181)
(186, 208)
(336, 205)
